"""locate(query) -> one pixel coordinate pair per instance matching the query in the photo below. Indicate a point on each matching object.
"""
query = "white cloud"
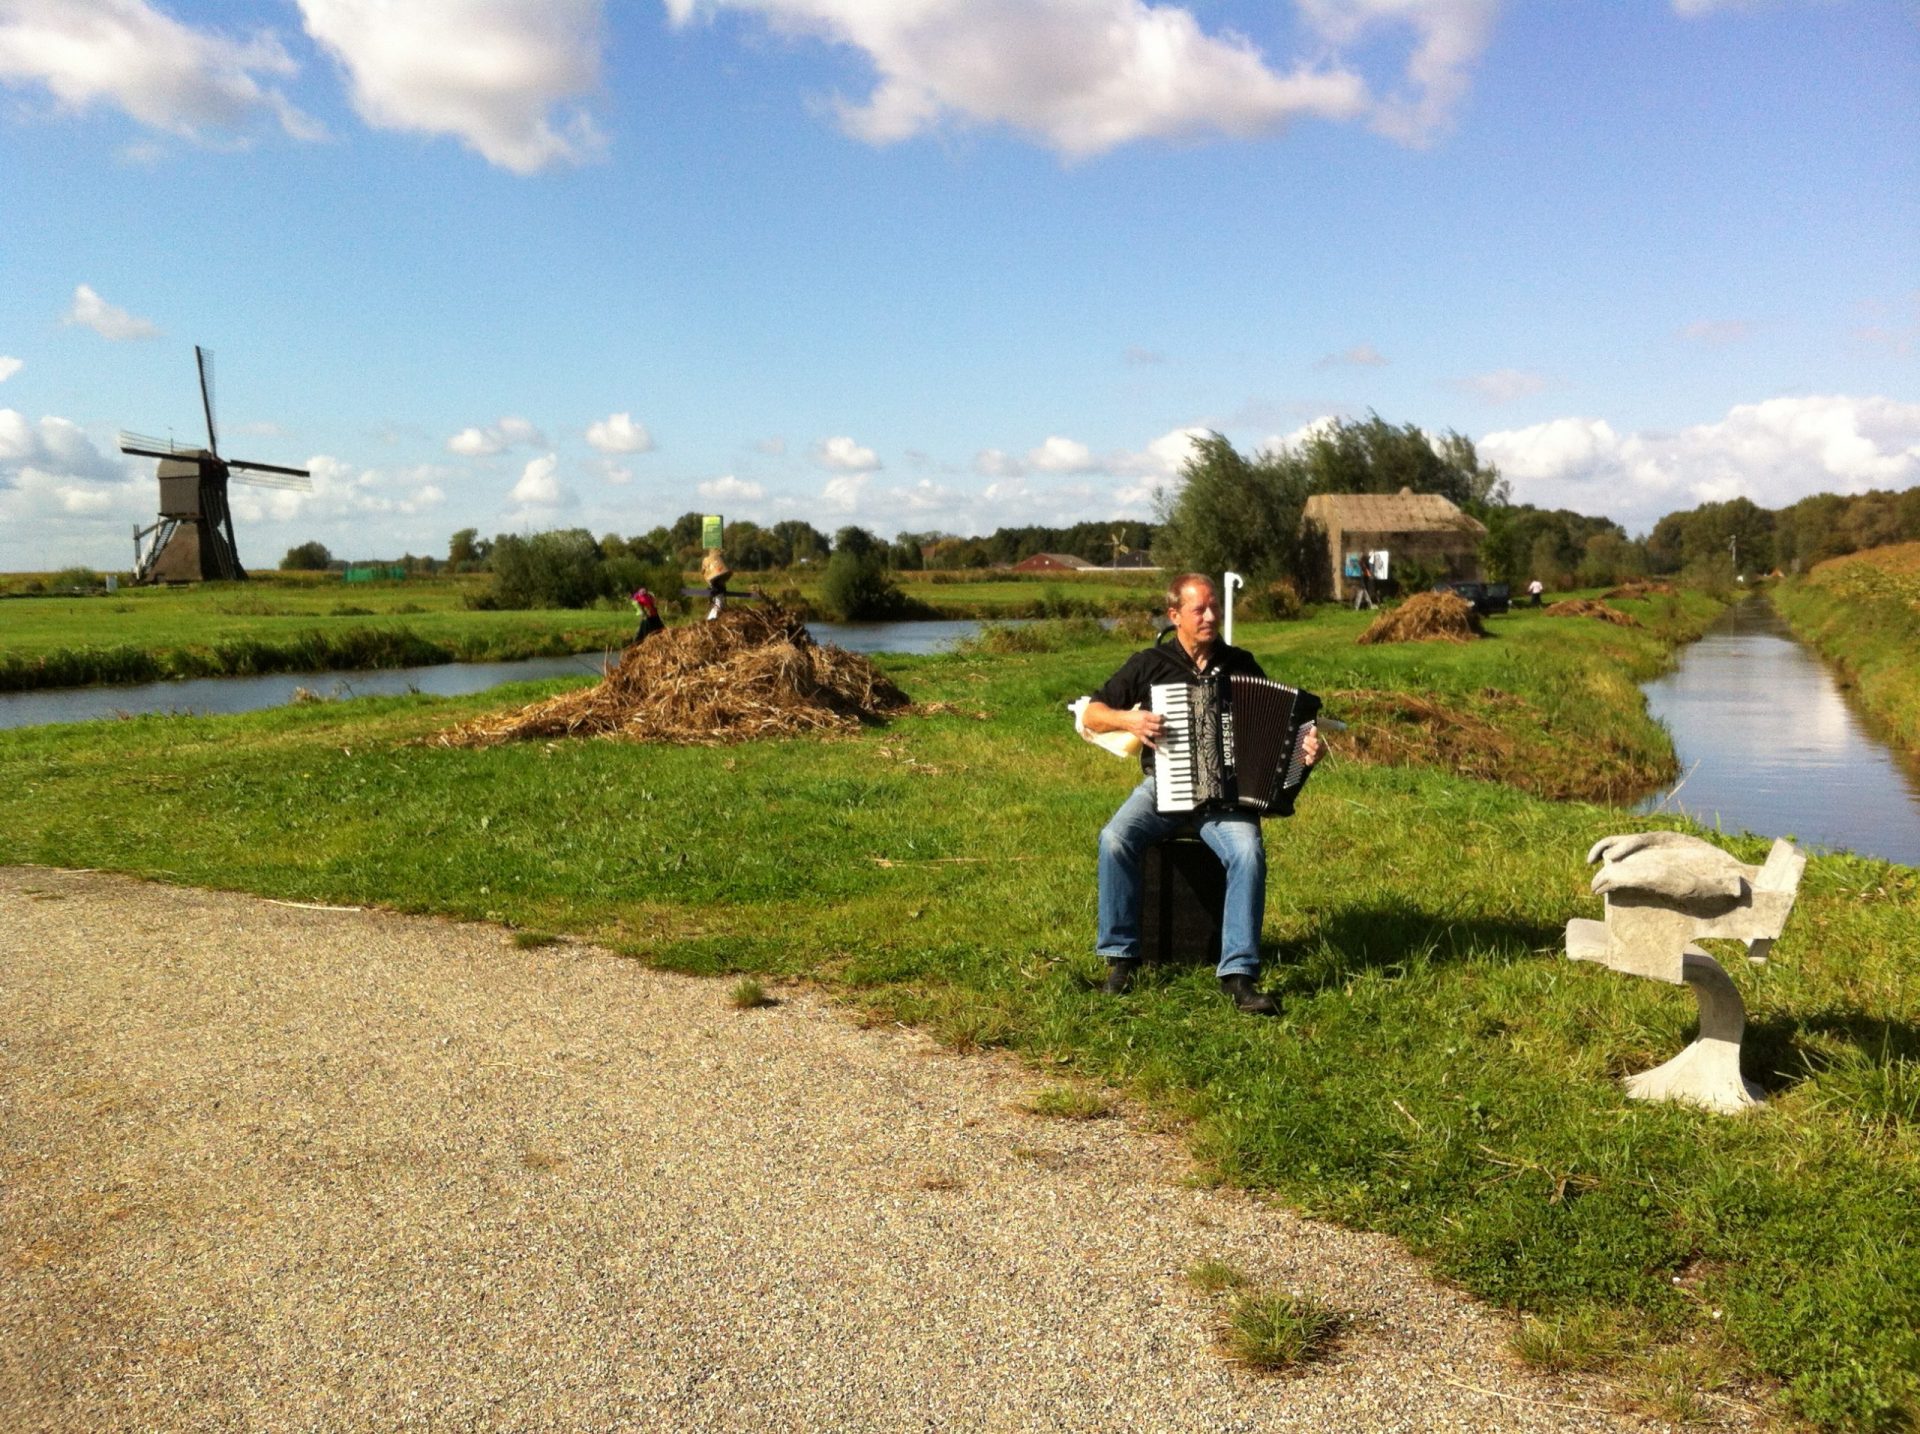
(730, 489)
(1312, 428)
(618, 433)
(1061, 455)
(127, 54)
(1449, 35)
(9, 366)
(539, 485)
(502, 76)
(1359, 356)
(992, 463)
(1503, 385)
(1084, 76)
(496, 438)
(57, 446)
(344, 495)
(90, 311)
(1716, 333)
(62, 500)
(842, 494)
(1773, 453)
(843, 455)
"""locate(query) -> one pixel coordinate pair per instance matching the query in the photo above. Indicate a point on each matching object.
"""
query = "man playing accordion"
(1189, 652)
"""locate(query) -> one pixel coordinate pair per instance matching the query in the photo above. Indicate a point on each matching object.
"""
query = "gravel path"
(272, 1167)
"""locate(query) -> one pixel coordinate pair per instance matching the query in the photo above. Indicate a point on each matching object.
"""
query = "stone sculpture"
(1663, 891)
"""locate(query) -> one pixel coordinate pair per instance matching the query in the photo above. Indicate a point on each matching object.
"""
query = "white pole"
(1230, 581)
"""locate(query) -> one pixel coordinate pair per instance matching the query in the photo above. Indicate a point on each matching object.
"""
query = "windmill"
(192, 539)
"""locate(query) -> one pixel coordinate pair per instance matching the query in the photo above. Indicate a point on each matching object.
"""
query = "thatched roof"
(1402, 512)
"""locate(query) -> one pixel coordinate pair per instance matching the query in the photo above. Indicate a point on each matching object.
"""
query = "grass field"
(313, 622)
(1440, 1070)
(1862, 613)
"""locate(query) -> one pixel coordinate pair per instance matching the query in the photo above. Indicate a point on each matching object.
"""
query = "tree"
(1230, 512)
(562, 568)
(1371, 455)
(801, 542)
(467, 551)
(858, 587)
(856, 541)
(308, 557)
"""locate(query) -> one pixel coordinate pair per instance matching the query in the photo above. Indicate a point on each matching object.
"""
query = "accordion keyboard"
(1173, 765)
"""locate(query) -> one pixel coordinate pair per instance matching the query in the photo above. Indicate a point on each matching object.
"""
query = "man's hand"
(1140, 721)
(1311, 747)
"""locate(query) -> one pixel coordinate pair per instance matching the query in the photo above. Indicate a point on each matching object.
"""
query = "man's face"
(1195, 619)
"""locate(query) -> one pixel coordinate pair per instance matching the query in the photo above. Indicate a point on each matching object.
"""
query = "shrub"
(1279, 600)
(308, 557)
(75, 578)
(858, 588)
(562, 568)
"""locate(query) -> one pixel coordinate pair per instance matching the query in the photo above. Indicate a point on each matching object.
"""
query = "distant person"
(715, 570)
(650, 622)
(1194, 653)
(1534, 589)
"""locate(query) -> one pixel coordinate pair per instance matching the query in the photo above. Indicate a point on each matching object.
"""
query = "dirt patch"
(753, 672)
(1640, 590)
(1587, 607)
(1426, 617)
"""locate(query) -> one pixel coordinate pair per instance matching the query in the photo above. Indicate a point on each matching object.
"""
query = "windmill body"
(192, 539)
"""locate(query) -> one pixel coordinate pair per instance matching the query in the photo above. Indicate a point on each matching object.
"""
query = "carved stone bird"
(1663, 891)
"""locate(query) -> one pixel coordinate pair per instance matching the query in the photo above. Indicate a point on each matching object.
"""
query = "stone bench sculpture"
(1663, 891)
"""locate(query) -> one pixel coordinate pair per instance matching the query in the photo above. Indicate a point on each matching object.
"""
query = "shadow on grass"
(1784, 1051)
(1392, 939)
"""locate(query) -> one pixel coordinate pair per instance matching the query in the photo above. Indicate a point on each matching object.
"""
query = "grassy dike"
(314, 623)
(1862, 613)
(1440, 1070)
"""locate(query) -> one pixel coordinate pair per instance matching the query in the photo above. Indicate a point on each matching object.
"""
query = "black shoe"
(1239, 989)
(1120, 975)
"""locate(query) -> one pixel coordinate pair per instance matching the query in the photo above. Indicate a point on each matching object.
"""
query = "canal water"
(210, 695)
(1769, 744)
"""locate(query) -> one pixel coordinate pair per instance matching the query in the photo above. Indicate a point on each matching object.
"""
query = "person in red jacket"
(650, 622)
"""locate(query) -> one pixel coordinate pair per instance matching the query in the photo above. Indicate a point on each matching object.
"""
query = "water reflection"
(1768, 744)
(222, 695)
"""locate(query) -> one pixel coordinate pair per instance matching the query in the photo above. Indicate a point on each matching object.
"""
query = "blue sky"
(941, 264)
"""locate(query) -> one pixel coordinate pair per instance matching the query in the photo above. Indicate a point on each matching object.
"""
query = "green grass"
(748, 995)
(1441, 1072)
(1862, 613)
(1069, 1102)
(280, 622)
(1214, 1277)
(1277, 1333)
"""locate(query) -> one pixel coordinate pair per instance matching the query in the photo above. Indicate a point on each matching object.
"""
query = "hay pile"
(754, 672)
(1587, 607)
(1638, 589)
(1427, 617)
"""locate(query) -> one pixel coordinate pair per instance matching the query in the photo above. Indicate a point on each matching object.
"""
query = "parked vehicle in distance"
(1486, 598)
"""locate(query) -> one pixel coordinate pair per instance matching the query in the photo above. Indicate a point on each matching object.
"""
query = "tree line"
(1228, 511)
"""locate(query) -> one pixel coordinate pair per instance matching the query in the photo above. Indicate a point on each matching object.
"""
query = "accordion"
(1234, 742)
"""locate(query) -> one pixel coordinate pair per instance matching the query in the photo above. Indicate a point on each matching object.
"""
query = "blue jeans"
(1234, 837)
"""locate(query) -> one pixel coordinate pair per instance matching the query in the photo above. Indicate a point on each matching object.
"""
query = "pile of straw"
(754, 672)
(1427, 617)
(1587, 607)
(1637, 589)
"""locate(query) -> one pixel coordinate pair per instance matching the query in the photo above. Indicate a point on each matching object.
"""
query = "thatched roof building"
(1413, 527)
